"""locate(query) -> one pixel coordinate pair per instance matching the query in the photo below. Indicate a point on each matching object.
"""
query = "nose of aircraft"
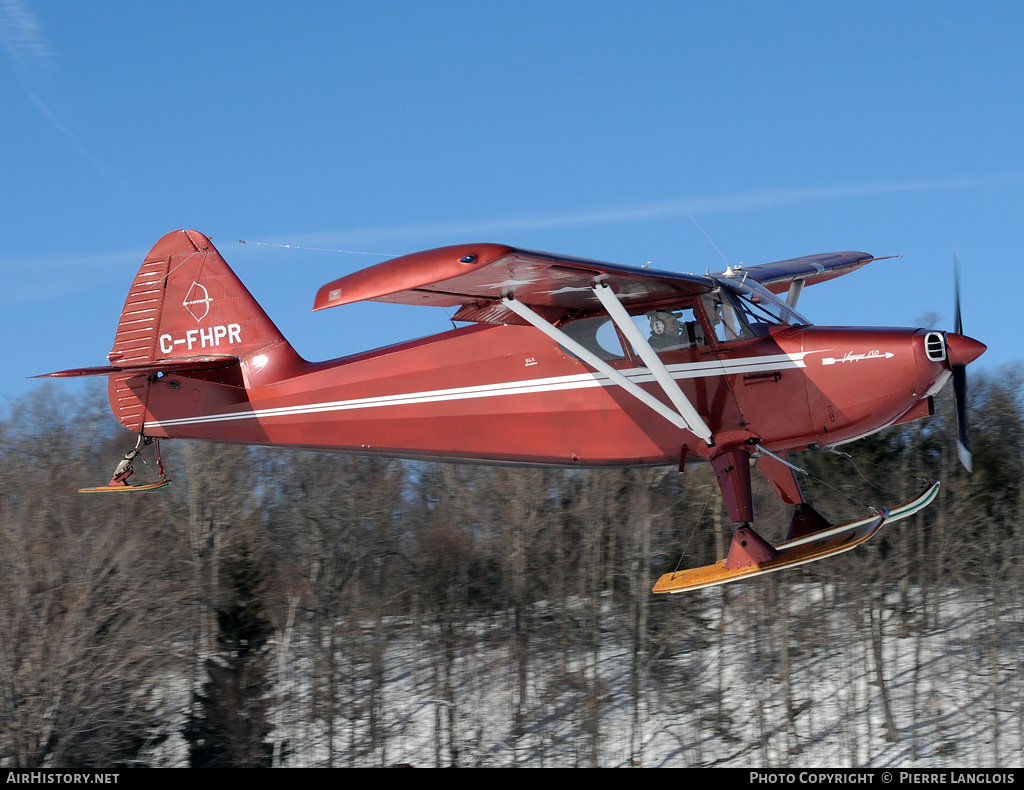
(963, 350)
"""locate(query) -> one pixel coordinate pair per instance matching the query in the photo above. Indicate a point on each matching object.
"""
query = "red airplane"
(566, 362)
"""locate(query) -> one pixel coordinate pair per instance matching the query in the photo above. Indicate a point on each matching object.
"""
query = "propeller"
(960, 352)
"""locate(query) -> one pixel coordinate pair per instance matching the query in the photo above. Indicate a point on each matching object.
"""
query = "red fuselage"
(507, 393)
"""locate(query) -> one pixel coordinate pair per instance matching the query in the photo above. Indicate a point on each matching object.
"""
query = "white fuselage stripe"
(725, 367)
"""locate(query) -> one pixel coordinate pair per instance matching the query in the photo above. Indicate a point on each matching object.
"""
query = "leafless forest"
(276, 607)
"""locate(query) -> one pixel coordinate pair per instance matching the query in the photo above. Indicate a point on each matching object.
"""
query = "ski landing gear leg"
(732, 470)
(124, 470)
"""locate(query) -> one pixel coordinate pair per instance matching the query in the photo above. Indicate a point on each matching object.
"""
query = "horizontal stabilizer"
(177, 365)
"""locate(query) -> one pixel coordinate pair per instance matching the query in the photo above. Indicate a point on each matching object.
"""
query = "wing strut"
(653, 362)
(601, 366)
(793, 295)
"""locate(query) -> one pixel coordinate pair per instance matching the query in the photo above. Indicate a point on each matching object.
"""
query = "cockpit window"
(665, 328)
(727, 322)
(670, 328)
(736, 310)
(741, 310)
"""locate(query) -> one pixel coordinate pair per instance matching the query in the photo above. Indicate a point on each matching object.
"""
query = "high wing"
(778, 276)
(475, 277)
(493, 283)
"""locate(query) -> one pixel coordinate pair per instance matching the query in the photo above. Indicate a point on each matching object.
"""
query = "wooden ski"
(799, 551)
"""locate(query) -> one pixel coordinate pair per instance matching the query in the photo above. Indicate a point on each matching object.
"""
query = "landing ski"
(119, 480)
(125, 488)
(818, 545)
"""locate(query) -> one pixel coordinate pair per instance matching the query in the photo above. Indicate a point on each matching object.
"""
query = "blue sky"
(583, 128)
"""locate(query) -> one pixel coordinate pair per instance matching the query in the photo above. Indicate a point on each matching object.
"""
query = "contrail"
(745, 201)
(21, 35)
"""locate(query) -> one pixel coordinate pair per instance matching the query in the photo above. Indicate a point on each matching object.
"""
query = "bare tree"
(88, 625)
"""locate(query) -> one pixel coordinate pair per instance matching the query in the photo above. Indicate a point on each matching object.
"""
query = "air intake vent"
(935, 346)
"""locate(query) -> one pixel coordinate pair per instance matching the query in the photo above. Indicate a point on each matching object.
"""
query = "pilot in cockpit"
(669, 333)
(665, 330)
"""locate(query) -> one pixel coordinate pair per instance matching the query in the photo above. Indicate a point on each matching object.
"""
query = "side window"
(597, 335)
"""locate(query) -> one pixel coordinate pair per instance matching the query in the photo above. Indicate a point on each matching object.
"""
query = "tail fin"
(187, 313)
(186, 302)
(185, 309)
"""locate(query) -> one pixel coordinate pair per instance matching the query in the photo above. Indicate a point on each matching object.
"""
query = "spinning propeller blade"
(960, 396)
(959, 355)
(958, 325)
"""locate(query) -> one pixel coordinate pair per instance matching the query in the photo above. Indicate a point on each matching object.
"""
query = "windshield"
(744, 309)
(669, 328)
